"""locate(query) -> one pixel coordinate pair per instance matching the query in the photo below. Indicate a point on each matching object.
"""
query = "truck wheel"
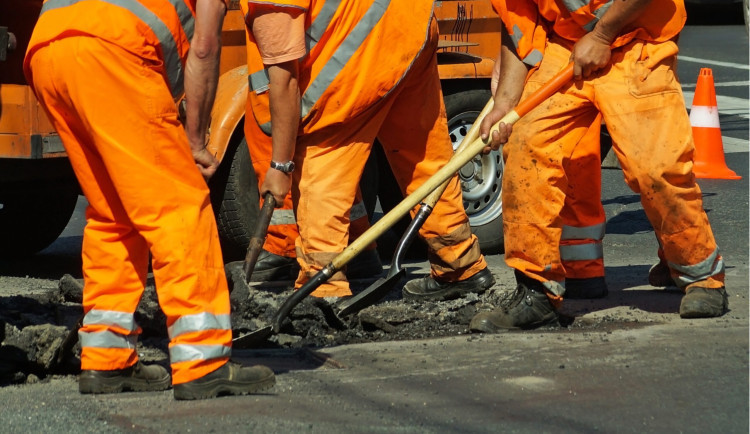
(236, 201)
(32, 219)
(481, 178)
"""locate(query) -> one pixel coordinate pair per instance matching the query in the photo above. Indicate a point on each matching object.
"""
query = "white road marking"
(728, 105)
(713, 62)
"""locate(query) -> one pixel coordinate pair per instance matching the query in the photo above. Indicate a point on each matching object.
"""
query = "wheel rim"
(481, 178)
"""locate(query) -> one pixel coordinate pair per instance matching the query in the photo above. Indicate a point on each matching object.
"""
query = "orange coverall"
(398, 101)
(641, 102)
(282, 230)
(108, 76)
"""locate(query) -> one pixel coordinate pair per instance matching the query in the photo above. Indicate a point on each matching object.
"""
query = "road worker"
(583, 217)
(108, 74)
(277, 261)
(327, 79)
(624, 54)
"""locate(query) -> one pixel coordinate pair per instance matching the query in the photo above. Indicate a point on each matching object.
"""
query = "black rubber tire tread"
(32, 219)
(236, 201)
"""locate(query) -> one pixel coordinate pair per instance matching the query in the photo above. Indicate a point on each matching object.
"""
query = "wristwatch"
(287, 167)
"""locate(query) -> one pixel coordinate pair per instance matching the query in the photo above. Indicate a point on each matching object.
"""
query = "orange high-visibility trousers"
(282, 230)
(642, 104)
(411, 126)
(583, 216)
(119, 124)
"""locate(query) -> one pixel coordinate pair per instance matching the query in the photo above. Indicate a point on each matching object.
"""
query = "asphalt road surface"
(643, 370)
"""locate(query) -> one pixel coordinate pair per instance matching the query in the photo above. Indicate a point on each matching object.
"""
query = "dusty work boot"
(702, 302)
(272, 267)
(527, 308)
(592, 287)
(659, 275)
(230, 379)
(366, 265)
(427, 288)
(137, 378)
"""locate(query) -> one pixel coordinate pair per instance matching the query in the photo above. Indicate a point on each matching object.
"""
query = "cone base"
(715, 173)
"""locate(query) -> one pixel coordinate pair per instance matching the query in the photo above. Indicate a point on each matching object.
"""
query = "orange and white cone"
(708, 161)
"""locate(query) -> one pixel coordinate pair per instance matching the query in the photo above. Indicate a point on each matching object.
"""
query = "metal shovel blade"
(253, 338)
(371, 295)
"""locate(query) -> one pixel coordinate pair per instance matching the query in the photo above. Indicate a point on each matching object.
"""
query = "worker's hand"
(591, 53)
(206, 162)
(499, 136)
(277, 183)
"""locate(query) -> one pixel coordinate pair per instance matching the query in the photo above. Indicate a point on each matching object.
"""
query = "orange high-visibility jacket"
(352, 34)
(151, 29)
(530, 21)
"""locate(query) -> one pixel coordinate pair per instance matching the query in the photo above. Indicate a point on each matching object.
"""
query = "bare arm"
(284, 98)
(511, 79)
(592, 52)
(201, 77)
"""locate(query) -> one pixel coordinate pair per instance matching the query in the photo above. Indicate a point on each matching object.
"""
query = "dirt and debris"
(38, 332)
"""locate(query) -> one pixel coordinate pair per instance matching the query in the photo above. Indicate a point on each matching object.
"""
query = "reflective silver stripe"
(186, 17)
(581, 252)
(342, 55)
(574, 5)
(107, 340)
(687, 274)
(593, 232)
(172, 61)
(283, 217)
(598, 14)
(319, 26)
(186, 353)
(516, 36)
(199, 322)
(557, 288)
(122, 320)
(358, 211)
(532, 58)
(259, 81)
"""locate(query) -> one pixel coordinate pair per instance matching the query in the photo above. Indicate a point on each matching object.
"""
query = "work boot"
(701, 302)
(659, 275)
(137, 378)
(427, 288)
(366, 265)
(527, 308)
(230, 379)
(273, 267)
(592, 287)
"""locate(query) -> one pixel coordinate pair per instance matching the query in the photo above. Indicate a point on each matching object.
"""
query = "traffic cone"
(708, 161)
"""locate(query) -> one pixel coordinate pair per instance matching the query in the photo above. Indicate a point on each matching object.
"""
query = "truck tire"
(235, 199)
(32, 219)
(481, 178)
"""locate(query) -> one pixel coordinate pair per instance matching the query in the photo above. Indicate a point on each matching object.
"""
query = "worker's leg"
(584, 220)
(534, 192)
(653, 141)
(124, 154)
(278, 261)
(417, 144)
(330, 164)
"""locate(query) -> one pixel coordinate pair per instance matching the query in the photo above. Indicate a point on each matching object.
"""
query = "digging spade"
(436, 180)
(259, 236)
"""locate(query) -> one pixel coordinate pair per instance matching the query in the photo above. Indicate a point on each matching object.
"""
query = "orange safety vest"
(529, 22)
(159, 30)
(357, 51)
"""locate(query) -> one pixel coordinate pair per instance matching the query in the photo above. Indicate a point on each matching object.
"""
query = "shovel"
(259, 236)
(436, 180)
(381, 287)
